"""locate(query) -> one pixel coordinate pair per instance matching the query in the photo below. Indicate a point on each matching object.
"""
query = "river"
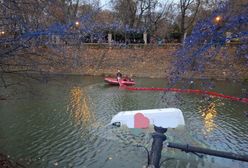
(63, 122)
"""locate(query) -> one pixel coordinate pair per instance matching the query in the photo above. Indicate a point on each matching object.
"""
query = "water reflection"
(79, 107)
(208, 115)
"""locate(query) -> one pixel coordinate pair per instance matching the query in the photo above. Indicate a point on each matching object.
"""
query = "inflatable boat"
(124, 81)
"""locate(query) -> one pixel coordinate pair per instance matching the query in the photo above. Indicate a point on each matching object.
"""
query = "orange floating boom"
(215, 94)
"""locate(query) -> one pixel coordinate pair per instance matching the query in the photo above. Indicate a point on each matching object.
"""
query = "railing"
(157, 145)
(118, 45)
(126, 46)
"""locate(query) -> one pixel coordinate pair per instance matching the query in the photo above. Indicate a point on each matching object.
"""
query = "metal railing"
(127, 46)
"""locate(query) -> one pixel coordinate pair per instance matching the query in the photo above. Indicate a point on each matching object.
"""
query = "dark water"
(63, 123)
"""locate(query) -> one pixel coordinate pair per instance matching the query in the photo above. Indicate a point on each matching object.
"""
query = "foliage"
(209, 43)
(32, 31)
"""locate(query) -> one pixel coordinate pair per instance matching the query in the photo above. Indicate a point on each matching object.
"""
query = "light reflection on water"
(67, 126)
(79, 107)
(209, 114)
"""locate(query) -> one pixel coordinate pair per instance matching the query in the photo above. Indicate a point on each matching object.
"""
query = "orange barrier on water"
(215, 94)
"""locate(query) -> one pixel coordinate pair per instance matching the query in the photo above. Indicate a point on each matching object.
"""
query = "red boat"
(124, 81)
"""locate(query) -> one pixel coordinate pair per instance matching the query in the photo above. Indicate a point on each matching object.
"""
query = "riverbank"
(137, 61)
(150, 61)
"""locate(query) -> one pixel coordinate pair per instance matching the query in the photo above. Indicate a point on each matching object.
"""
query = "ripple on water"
(77, 134)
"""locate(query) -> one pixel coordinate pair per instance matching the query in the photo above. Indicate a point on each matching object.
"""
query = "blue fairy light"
(208, 38)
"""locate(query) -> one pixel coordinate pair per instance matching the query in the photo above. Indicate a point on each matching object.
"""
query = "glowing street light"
(2, 32)
(218, 19)
(77, 23)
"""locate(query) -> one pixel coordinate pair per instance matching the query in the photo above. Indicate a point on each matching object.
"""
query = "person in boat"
(126, 78)
(131, 78)
(118, 75)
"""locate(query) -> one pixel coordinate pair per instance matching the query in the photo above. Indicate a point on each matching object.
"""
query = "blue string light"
(208, 39)
(202, 46)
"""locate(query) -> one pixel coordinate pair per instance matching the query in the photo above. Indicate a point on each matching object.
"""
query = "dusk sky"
(105, 4)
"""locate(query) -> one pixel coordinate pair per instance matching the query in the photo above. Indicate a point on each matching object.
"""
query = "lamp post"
(77, 31)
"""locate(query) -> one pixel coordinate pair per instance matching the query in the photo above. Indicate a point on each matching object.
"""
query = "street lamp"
(2, 32)
(217, 19)
(77, 23)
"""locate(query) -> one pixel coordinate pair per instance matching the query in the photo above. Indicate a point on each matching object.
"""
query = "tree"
(188, 12)
(126, 11)
(29, 33)
(146, 15)
(207, 47)
(155, 14)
